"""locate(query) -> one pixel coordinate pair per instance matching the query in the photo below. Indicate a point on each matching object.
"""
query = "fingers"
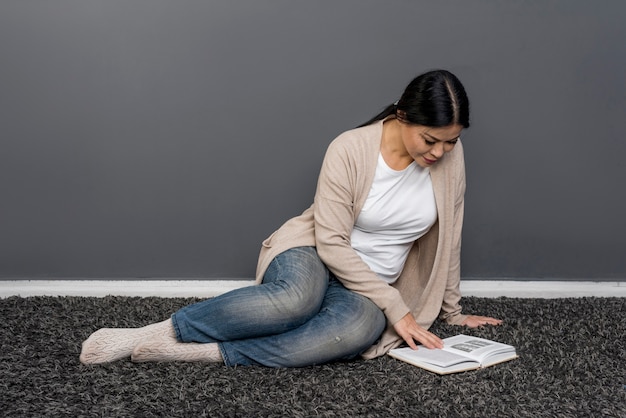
(430, 340)
(403, 328)
(485, 320)
(410, 342)
(474, 321)
(411, 333)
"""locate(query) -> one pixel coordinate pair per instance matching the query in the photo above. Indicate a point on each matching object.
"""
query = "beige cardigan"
(429, 284)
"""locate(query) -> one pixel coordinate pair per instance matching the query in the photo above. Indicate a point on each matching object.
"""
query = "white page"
(437, 357)
(474, 347)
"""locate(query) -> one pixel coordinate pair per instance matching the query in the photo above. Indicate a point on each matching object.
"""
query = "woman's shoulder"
(365, 137)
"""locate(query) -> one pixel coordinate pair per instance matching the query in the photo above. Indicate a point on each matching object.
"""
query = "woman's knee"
(293, 304)
(296, 282)
(359, 323)
(367, 325)
(334, 340)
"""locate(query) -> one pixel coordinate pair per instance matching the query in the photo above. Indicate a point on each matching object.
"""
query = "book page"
(437, 357)
(475, 348)
(460, 353)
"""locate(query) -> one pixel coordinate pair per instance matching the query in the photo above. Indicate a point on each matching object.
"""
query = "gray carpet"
(572, 364)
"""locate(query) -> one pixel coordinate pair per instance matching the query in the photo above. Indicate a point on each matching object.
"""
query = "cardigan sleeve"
(451, 307)
(339, 187)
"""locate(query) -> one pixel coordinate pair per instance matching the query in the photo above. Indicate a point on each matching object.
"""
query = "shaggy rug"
(572, 364)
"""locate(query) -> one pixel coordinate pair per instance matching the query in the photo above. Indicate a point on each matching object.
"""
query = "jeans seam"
(227, 361)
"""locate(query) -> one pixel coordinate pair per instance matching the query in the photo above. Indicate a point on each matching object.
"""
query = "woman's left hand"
(474, 321)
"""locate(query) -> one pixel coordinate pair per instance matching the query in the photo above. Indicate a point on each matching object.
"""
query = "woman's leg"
(346, 325)
(110, 344)
(291, 293)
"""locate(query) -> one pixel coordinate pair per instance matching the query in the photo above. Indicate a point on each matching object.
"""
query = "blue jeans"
(300, 315)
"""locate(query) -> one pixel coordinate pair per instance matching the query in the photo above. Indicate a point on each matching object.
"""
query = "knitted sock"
(111, 344)
(168, 350)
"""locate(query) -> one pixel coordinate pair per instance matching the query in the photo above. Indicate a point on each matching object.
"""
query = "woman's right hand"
(411, 331)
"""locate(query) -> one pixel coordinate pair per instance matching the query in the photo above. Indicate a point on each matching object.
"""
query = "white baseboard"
(209, 288)
(101, 288)
(541, 289)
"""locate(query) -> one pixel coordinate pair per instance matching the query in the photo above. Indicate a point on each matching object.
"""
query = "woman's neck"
(392, 147)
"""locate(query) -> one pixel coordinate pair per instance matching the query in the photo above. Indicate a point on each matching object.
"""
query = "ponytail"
(388, 111)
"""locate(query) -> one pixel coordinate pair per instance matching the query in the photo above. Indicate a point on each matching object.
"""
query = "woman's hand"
(474, 321)
(410, 332)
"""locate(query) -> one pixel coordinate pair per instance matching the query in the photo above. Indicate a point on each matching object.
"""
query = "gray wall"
(151, 138)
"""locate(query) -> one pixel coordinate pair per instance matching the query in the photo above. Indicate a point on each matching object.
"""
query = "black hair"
(436, 98)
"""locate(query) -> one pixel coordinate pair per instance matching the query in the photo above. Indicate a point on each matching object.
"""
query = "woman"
(369, 266)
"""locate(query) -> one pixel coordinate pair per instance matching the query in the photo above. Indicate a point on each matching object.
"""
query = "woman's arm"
(339, 188)
(451, 307)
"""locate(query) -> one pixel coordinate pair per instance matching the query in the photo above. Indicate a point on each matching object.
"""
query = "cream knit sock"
(167, 350)
(111, 344)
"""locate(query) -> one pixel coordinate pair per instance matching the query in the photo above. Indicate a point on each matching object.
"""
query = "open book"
(459, 353)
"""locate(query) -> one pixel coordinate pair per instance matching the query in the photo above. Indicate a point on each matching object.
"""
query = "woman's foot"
(110, 344)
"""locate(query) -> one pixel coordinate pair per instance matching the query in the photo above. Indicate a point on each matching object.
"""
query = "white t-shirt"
(399, 209)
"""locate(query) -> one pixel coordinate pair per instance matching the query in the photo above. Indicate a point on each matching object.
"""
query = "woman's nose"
(437, 149)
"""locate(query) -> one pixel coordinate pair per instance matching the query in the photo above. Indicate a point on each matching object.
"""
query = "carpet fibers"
(572, 364)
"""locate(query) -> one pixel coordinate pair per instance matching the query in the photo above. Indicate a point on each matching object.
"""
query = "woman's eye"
(429, 142)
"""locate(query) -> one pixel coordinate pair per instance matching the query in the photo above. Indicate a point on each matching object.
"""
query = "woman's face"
(426, 145)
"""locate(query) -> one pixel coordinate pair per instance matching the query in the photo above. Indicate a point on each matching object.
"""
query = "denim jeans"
(300, 315)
